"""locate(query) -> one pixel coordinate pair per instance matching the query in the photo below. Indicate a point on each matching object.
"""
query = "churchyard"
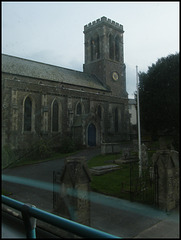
(118, 174)
(118, 182)
(155, 181)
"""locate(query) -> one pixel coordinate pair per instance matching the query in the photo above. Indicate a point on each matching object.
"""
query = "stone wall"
(110, 148)
(42, 95)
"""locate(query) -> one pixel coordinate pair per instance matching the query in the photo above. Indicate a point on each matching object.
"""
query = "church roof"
(132, 101)
(29, 68)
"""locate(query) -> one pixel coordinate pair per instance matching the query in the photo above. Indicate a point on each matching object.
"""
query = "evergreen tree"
(159, 97)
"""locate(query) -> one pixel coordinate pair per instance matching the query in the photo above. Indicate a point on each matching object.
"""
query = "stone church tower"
(104, 54)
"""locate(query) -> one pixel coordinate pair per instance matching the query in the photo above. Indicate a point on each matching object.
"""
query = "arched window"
(97, 48)
(92, 49)
(117, 48)
(55, 117)
(99, 112)
(79, 109)
(111, 47)
(27, 114)
(116, 121)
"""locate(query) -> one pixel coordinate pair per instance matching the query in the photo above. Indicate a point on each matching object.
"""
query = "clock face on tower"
(115, 76)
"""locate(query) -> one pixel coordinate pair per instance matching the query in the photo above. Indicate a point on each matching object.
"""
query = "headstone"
(144, 156)
(125, 153)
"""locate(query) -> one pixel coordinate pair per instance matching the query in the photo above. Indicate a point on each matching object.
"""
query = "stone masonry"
(72, 199)
(167, 165)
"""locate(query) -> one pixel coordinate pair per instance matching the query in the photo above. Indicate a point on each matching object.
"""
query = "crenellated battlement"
(104, 20)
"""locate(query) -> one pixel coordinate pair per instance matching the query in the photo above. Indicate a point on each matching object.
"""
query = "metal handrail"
(31, 213)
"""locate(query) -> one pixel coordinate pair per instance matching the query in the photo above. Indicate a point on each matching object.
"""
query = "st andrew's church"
(43, 101)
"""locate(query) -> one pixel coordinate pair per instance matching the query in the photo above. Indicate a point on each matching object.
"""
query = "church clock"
(115, 76)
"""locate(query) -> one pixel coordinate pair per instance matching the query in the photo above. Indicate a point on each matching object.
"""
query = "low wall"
(110, 148)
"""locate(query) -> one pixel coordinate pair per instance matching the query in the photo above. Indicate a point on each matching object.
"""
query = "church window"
(116, 121)
(92, 49)
(97, 48)
(79, 109)
(111, 47)
(55, 117)
(117, 49)
(27, 114)
(99, 112)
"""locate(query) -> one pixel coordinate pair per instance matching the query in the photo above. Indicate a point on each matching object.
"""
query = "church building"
(45, 101)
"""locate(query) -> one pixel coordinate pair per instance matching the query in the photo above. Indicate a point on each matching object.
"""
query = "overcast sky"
(52, 32)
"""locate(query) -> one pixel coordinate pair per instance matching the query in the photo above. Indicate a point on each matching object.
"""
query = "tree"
(159, 96)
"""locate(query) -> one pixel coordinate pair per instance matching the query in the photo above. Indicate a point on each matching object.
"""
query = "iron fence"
(142, 188)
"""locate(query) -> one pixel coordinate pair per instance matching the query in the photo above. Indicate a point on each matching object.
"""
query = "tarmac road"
(40, 172)
(116, 216)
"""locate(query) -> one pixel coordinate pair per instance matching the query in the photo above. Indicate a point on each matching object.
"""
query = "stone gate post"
(71, 200)
(167, 164)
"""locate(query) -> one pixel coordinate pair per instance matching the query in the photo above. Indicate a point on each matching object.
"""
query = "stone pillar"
(71, 199)
(167, 165)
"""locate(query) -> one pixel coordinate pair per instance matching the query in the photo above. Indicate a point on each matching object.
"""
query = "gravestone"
(144, 156)
(71, 191)
(167, 165)
(126, 153)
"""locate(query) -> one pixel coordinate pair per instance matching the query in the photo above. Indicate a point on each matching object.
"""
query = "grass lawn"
(101, 160)
(115, 183)
(109, 183)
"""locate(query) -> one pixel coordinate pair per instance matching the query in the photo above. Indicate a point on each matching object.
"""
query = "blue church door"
(92, 135)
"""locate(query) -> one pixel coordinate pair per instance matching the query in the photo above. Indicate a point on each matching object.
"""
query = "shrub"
(44, 149)
(67, 145)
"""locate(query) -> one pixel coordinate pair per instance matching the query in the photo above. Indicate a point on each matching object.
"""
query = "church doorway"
(92, 135)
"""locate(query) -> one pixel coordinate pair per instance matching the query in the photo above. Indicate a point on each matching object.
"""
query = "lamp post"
(139, 131)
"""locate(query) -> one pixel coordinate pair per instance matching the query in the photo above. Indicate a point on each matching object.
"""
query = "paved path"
(119, 217)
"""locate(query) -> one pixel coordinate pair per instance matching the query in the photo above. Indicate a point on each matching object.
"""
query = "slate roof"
(29, 68)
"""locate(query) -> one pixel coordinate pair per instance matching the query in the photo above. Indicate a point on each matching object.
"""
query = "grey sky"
(52, 32)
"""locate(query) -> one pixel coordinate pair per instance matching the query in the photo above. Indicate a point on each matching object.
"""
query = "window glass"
(92, 49)
(27, 114)
(70, 139)
(55, 117)
(79, 108)
(116, 120)
(97, 48)
(99, 112)
(111, 47)
(117, 48)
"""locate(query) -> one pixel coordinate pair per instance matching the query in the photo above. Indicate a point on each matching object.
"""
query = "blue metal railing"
(31, 213)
